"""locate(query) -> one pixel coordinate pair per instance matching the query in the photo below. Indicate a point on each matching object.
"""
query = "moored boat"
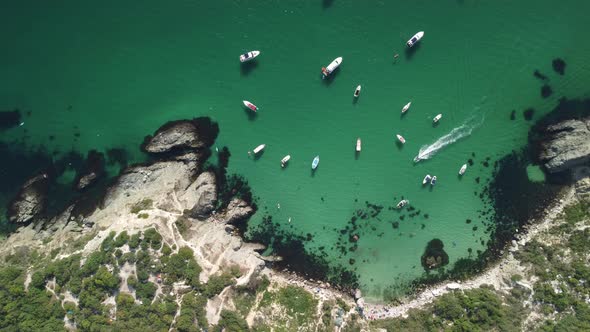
(285, 160)
(402, 203)
(463, 169)
(249, 56)
(357, 91)
(415, 38)
(259, 148)
(436, 118)
(315, 162)
(427, 179)
(250, 105)
(331, 67)
(401, 138)
(433, 180)
(358, 144)
(406, 107)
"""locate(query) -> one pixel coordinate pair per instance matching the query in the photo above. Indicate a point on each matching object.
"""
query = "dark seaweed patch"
(528, 114)
(9, 119)
(513, 115)
(546, 91)
(540, 76)
(434, 255)
(559, 66)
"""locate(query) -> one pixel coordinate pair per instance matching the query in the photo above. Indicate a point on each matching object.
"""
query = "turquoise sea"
(113, 72)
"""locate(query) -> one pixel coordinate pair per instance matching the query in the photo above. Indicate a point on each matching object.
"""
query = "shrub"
(134, 240)
(122, 239)
(217, 283)
(144, 204)
(231, 321)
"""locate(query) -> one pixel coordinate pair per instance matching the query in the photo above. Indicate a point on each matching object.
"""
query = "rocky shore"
(175, 189)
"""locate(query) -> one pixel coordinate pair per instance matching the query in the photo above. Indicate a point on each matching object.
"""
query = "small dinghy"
(285, 160)
(433, 180)
(315, 162)
(326, 71)
(259, 148)
(402, 203)
(401, 138)
(357, 92)
(358, 144)
(406, 107)
(251, 106)
(436, 118)
(427, 179)
(415, 39)
(249, 56)
(463, 169)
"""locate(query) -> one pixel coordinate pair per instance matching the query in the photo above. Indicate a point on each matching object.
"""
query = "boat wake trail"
(464, 130)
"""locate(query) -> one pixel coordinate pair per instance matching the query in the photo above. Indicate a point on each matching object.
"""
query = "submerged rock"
(9, 119)
(568, 145)
(92, 171)
(30, 201)
(559, 66)
(434, 255)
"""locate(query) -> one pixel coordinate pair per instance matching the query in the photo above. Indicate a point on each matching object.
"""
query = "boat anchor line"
(464, 130)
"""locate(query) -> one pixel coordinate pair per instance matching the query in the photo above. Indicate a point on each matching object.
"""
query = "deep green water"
(116, 71)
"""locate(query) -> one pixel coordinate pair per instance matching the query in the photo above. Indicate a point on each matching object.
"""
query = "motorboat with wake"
(463, 169)
(406, 107)
(357, 91)
(427, 179)
(433, 180)
(401, 139)
(437, 118)
(415, 38)
(326, 71)
(259, 148)
(315, 162)
(251, 106)
(249, 56)
(285, 160)
(402, 203)
(358, 144)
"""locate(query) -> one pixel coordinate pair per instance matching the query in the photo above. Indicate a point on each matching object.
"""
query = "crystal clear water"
(114, 72)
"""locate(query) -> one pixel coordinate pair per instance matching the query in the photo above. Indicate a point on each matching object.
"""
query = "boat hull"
(437, 118)
(249, 56)
(331, 67)
(463, 169)
(285, 160)
(406, 107)
(315, 162)
(415, 39)
(401, 139)
(259, 148)
(358, 145)
(251, 106)
(357, 92)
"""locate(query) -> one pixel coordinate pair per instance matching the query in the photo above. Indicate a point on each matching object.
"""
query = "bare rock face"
(30, 201)
(582, 186)
(568, 145)
(205, 188)
(237, 210)
(182, 135)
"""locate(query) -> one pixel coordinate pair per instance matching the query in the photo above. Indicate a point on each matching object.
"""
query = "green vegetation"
(231, 322)
(143, 216)
(217, 283)
(144, 204)
(183, 224)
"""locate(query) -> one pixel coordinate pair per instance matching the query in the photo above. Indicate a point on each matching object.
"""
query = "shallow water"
(115, 72)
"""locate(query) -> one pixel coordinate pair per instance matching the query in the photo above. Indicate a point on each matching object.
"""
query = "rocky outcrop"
(182, 135)
(30, 201)
(206, 190)
(568, 145)
(582, 177)
(92, 171)
(237, 210)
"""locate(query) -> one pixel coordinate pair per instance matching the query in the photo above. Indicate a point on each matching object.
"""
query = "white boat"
(315, 162)
(415, 38)
(406, 107)
(427, 179)
(436, 118)
(433, 180)
(358, 144)
(331, 67)
(259, 148)
(401, 138)
(357, 92)
(402, 203)
(463, 169)
(250, 105)
(249, 56)
(285, 160)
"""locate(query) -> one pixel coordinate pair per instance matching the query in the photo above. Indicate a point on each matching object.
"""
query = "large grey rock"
(92, 171)
(176, 135)
(568, 145)
(30, 201)
(582, 186)
(206, 190)
(237, 210)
